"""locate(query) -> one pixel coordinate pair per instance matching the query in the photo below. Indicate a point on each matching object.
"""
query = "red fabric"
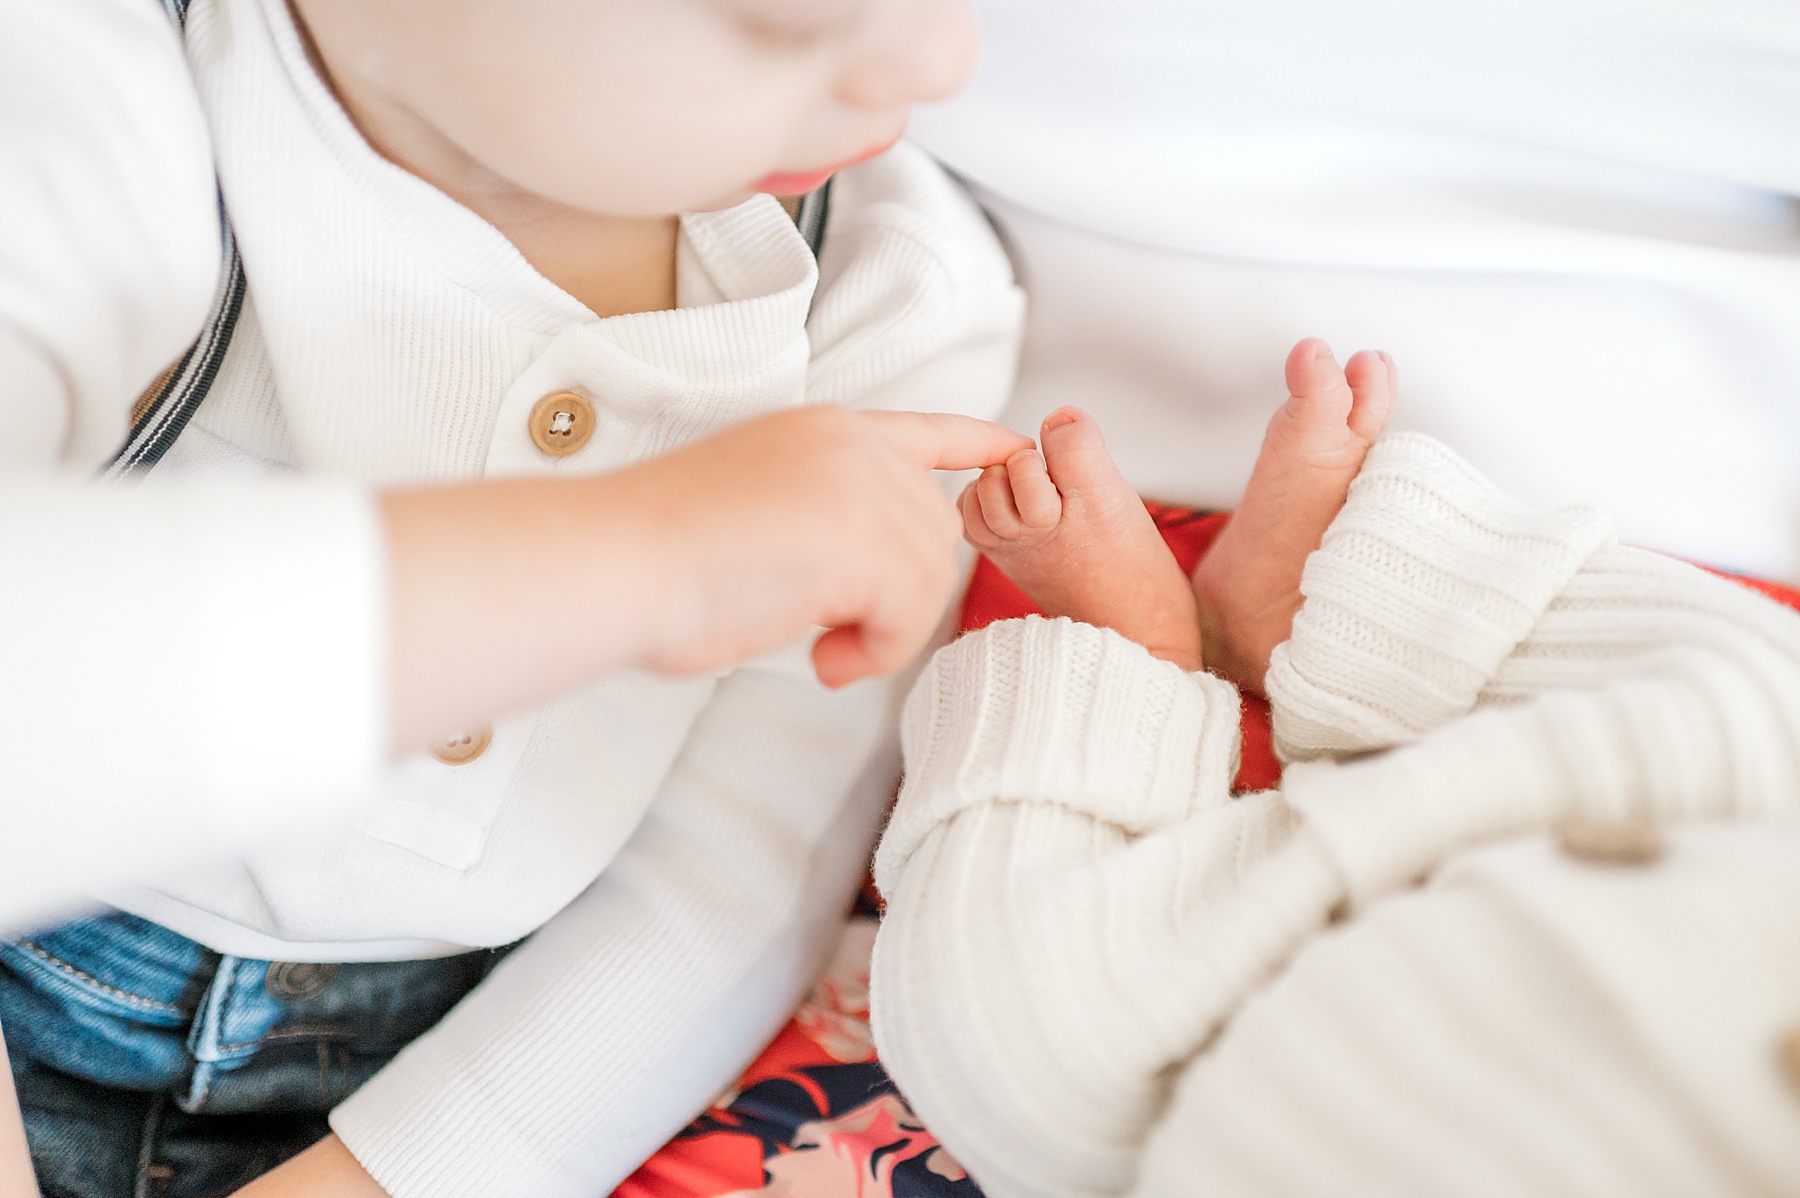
(815, 1116)
(703, 1167)
(1784, 595)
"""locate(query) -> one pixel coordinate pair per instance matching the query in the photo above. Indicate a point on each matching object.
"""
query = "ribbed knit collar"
(751, 253)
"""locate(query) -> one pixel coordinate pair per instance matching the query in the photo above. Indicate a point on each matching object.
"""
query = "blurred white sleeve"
(169, 649)
(164, 651)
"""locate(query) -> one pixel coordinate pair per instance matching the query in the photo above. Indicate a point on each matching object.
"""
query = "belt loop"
(204, 1037)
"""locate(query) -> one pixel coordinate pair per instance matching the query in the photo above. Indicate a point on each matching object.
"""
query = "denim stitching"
(96, 983)
(234, 1050)
(149, 1140)
(313, 1031)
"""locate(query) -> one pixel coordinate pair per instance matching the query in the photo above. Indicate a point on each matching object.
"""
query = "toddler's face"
(644, 107)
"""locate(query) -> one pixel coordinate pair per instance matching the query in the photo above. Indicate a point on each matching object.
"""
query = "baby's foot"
(1248, 584)
(1068, 529)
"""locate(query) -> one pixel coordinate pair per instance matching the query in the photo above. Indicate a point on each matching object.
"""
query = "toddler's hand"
(508, 591)
(814, 516)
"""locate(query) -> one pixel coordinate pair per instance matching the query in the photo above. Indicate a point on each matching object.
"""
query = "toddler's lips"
(798, 183)
(791, 184)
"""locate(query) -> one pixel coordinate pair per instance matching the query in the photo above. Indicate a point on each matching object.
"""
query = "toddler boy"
(531, 243)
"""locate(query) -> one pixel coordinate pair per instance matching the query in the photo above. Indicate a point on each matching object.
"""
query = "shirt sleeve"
(164, 651)
(168, 649)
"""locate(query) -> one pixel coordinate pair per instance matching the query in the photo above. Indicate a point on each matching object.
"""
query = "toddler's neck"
(611, 264)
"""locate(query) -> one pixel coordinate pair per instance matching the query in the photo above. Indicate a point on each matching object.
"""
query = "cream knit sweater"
(1101, 973)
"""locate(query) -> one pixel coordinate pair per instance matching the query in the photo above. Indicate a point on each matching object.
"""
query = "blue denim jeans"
(149, 1066)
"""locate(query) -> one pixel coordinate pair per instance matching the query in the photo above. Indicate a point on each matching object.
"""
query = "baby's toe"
(1317, 389)
(1374, 386)
(993, 492)
(1034, 495)
(1076, 457)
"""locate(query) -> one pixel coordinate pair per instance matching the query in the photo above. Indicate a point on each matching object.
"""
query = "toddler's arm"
(692, 561)
(623, 1016)
(162, 648)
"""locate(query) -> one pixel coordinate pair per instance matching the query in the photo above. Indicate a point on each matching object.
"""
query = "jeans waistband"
(119, 1001)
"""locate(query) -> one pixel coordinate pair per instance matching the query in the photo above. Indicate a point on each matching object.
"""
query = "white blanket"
(1571, 221)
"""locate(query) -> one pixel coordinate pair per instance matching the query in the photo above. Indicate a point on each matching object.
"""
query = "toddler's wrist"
(642, 556)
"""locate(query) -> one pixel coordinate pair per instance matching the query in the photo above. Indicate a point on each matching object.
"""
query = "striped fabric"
(164, 410)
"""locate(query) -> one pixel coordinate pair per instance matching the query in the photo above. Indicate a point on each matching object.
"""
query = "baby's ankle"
(1227, 649)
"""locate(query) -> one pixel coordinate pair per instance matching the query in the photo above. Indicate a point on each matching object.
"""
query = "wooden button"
(561, 423)
(1611, 842)
(1788, 1054)
(464, 747)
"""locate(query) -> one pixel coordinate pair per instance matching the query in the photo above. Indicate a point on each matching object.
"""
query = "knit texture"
(1053, 958)
(1101, 727)
(1526, 1025)
(1071, 746)
(1423, 585)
